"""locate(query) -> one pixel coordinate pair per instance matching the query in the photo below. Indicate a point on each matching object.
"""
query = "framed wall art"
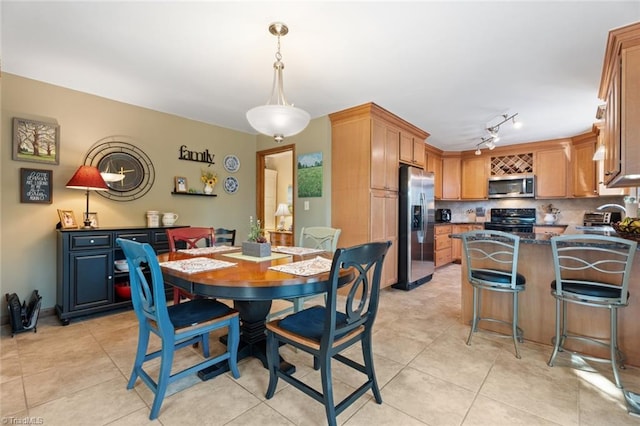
(35, 141)
(67, 219)
(92, 219)
(181, 184)
(36, 186)
(310, 175)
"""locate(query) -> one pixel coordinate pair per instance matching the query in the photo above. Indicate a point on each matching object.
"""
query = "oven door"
(511, 227)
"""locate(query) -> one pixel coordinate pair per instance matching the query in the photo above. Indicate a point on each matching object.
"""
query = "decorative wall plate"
(114, 155)
(231, 184)
(231, 163)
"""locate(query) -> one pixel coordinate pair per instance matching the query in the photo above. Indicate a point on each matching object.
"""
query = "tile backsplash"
(571, 209)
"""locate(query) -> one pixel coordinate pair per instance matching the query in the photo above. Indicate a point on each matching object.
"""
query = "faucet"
(617, 206)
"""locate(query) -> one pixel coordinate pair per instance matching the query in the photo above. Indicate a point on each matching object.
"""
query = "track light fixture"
(493, 129)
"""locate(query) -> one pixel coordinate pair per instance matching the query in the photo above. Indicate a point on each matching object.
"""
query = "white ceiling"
(450, 68)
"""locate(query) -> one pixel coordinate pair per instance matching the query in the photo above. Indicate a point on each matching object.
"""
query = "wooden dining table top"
(248, 279)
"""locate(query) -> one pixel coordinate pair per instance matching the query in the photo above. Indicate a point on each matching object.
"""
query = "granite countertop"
(545, 238)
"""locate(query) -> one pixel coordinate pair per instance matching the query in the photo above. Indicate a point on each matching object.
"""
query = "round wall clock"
(114, 155)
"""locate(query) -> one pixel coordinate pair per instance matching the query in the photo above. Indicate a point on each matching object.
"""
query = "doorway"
(275, 186)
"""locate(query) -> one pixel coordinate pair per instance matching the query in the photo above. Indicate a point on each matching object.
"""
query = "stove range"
(512, 220)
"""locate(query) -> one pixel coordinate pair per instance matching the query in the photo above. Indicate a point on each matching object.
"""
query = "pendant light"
(278, 118)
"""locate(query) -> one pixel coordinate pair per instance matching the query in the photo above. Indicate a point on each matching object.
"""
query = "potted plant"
(256, 244)
(550, 213)
(209, 179)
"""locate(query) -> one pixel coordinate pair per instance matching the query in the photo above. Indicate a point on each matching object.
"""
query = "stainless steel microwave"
(512, 186)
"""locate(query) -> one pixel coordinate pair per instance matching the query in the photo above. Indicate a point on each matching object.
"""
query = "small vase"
(549, 218)
(208, 189)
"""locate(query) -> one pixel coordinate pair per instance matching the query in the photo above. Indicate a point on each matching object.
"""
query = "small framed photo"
(181, 184)
(35, 141)
(93, 219)
(67, 219)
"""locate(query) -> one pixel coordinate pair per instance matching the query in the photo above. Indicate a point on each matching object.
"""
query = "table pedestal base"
(253, 338)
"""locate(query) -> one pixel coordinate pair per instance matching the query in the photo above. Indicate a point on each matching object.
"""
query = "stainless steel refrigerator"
(416, 218)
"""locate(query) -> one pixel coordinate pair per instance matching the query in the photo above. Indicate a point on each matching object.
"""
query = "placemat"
(299, 251)
(256, 259)
(208, 250)
(305, 267)
(196, 264)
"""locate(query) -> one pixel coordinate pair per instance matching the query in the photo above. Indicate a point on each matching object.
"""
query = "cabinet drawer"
(85, 242)
(442, 242)
(141, 237)
(159, 237)
(442, 229)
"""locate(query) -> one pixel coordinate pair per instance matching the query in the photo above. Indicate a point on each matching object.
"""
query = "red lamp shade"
(87, 177)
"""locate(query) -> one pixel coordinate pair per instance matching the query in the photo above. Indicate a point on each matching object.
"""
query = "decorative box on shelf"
(250, 248)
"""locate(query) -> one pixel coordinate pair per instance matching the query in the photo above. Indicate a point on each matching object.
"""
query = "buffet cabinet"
(86, 275)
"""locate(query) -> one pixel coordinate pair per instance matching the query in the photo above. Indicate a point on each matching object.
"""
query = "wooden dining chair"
(178, 326)
(188, 238)
(326, 331)
(225, 236)
(316, 237)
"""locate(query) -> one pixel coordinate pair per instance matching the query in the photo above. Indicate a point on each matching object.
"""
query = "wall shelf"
(193, 193)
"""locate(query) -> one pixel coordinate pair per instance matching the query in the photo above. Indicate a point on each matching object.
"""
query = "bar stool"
(492, 263)
(591, 270)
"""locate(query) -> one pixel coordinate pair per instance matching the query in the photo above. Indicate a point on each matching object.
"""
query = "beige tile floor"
(77, 375)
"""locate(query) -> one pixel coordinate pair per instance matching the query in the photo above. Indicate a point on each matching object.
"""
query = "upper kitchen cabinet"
(620, 89)
(433, 163)
(584, 168)
(451, 176)
(475, 173)
(384, 155)
(551, 169)
(412, 149)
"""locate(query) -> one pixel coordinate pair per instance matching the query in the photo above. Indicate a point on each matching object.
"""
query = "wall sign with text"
(36, 186)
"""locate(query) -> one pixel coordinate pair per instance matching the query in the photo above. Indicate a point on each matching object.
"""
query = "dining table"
(252, 283)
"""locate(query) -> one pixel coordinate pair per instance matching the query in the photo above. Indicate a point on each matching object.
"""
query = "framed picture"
(93, 218)
(35, 186)
(35, 141)
(181, 184)
(67, 219)
(310, 175)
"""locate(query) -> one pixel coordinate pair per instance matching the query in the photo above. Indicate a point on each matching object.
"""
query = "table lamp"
(87, 178)
(282, 211)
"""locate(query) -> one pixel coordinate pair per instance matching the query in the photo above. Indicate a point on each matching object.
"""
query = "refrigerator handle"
(422, 213)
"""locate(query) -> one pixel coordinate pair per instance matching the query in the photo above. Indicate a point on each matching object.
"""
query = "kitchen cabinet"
(384, 227)
(442, 244)
(451, 175)
(85, 271)
(551, 169)
(474, 176)
(281, 238)
(364, 187)
(620, 88)
(433, 163)
(456, 243)
(584, 168)
(412, 150)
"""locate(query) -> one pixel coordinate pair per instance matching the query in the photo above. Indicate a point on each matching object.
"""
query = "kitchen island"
(537, 305)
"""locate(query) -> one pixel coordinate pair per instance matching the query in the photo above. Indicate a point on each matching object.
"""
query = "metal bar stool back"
(492, 265)
(591, 270)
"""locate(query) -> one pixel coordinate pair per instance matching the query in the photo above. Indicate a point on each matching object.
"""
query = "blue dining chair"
(177, 326)
(326, 331)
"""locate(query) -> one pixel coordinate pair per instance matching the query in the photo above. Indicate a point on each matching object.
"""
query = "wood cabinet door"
(91, 279)
(451, 178)
(551, 173)
(385, 141)
(406, 148)
(584, 170)
(434, 164)
(612, 129)
(384, 227)
(418, 152)
(475, 171)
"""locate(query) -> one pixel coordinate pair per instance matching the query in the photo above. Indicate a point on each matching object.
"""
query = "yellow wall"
(27, 232)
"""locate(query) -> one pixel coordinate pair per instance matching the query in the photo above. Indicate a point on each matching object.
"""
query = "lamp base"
(87, 224)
